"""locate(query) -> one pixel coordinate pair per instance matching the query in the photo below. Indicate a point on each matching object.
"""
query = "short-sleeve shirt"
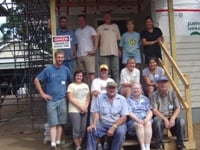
(109, 35)
(155, 48)
(110, 113)
(73, 42)
(166, 105)
(130, 42)
(56, 80)
(98, 85)
(85, 40)
(153, 77)
(80, 92)
(127, 76)
(139, 107)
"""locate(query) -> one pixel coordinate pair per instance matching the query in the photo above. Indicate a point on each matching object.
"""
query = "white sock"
(53, 144)
(142, 147)
(147, 146)
(58, 142)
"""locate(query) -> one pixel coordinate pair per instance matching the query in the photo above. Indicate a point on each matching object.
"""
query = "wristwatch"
(114, 126)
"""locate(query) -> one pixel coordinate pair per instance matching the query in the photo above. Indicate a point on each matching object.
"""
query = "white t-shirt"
(98, 85)
(85, 40)
(127, 76)
(80, 92)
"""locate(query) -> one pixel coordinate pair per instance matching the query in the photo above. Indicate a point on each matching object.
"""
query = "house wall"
(188, 58)
(188, 54)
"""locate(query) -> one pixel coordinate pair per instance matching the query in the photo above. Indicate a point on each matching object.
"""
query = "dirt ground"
(20, 130)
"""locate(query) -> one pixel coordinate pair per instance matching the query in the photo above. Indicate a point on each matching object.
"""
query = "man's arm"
(38, 86)
(95, 118)
(95, 41)
(119, 122)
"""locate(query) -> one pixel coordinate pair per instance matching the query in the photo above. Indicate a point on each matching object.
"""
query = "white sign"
(61, 42)
(186, 17)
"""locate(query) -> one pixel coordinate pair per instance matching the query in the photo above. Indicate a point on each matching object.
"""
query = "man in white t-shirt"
(109, 36)
(99, 85)
(87, 44)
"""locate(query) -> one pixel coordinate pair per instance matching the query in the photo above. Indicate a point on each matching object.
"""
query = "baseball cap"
(111, 84)
(162, 78)
(103, 66)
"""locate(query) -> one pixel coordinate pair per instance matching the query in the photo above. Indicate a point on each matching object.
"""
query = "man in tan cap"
(99, 85)
(110, 110)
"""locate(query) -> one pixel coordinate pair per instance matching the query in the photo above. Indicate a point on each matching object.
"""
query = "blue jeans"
(178, 130)
(101, 130)
(70, 65)
(113, 64)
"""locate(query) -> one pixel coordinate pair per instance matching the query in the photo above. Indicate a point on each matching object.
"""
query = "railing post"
(189, 110)
(172, 36)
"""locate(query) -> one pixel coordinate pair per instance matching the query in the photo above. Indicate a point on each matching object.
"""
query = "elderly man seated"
(166, 108)
(111, 111)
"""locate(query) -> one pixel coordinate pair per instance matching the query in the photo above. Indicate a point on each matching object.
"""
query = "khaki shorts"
(86, 63)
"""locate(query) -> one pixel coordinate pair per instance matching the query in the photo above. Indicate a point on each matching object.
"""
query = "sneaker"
(105, 146)
(99, 147)
(181, 147)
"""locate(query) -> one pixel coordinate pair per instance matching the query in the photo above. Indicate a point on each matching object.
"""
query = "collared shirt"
(68, 51)
(110, 112)
(98, 85)
(139, 107)
(165, 104)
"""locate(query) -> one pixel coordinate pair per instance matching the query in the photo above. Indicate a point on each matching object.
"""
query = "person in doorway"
(140, 117)
(151, 36)
(56, 78)
(109, 36)
(70, 52)
(166, 108)
(128, 76)
(87, 45)
(111, 112)
(79, 99)
(130, 44)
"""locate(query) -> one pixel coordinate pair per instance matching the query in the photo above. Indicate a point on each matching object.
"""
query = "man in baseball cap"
(166, 109)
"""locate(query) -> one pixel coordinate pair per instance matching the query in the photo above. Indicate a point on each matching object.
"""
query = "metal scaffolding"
(25, 49)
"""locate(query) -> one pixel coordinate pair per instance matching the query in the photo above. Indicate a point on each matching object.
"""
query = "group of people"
(116, 104)
(85, 41)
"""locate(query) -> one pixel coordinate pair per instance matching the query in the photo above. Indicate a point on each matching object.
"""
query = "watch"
(114, 126)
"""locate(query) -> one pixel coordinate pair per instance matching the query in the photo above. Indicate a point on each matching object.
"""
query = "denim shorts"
(57, 112)
(136, 57)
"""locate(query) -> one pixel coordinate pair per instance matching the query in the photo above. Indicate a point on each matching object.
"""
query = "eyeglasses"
(111, 87)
